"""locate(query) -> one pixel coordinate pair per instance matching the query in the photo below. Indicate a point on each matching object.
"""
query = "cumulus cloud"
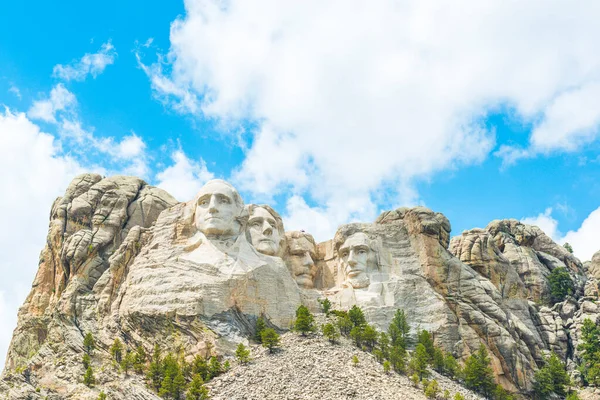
(60, 99)
(356, 96)
(34, 173)
(584, 240)
(184, 178)
(90, 64)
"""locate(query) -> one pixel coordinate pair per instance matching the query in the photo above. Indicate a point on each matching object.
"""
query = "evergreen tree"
(432, 389)
(325, 305)
(356, 335)
(478, 373)
(355, 360)
(200, 367)
(86, 361)
(398, 359)
(419, 361)
(561, 284)
(438, 360)
(214, 367)
(459, 396)
(155, 370)
(451, 366)
(330, 332)
(102, 396)
(369, 336)
(270, 339)
(226, 366)
(551, 378)
(242, 354)
(128, 361)
(116, 350)
(260, 327)
(501, 394)
(88, 343)
(386, 366)
(344, 324)
(139, 361)
(590, 348)
(196, 389)
(88, 377)
(356, 315)
(446, 395)
(304, 321)
(399, 329)
(424, 338)
(568, 247)
(384, 344)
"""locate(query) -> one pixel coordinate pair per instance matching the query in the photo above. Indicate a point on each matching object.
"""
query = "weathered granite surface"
(124, 259)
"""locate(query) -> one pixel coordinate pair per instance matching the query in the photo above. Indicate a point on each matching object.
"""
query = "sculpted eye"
(224, 200)
(362, 251)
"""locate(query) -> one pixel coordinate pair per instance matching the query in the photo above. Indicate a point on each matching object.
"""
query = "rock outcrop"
(125, 260)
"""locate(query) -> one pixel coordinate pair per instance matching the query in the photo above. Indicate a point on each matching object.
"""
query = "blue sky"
(330, 112)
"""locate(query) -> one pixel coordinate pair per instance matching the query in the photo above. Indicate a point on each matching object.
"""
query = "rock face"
(124, 259)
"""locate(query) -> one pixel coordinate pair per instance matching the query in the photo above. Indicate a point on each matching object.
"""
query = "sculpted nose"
(212, 205)
(267, 229)
(307, 261)
(351, 260)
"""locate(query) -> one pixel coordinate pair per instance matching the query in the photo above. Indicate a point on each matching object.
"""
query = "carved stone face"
(301, 261)
(217, 209)
(355, 258)
(264, 232)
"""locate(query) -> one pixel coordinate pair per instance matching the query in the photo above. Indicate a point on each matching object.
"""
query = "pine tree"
(561, 284)
(155, 370)
(398, 359)
(270, 339)
(568, 247)
(330, 332)
(325, 305)
(179, 385)
(424, 337)
(86, 361)
(139, 361)
(357, 316)
(355, 360)
(414, 378)
(127, 362)
(478, 373)
(432, 389)
(344, 324)
(200, 367)
(451, 366)
(459, 396)
(399, 329)
(102, 396)
(88, 343)
(116, 350)
(356, 335)
(590, 348)
(386, 366)
(369, 336)
(551, 378)
(304, 320)
(384, 344)
(88, 377)
(438, 360)
(196, 389)
(419, 361)
(242, 354)
(214, 367)
(260, 326)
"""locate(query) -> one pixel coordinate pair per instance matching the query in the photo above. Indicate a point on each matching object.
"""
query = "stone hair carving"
(357, 258)
(218, 210)
(265, 229)
(300, 258)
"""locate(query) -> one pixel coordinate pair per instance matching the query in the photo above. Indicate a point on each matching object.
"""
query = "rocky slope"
(125, 260)
(311, 368)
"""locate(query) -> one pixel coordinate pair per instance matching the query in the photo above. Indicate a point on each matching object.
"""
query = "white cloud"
(356, 96)
(91, 63)
(184, 178)
(131, 146)
(546, 223)
(33, 174)
(60, 99)
(15, 90)
(585, 240)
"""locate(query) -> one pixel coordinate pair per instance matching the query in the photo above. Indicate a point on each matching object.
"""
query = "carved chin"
(304, 281)
(359, 281)
(267, 248)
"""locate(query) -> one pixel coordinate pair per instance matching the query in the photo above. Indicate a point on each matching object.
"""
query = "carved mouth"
(354, 272)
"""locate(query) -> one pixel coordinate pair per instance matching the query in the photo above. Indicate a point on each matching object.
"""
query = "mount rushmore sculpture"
(125, 259)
